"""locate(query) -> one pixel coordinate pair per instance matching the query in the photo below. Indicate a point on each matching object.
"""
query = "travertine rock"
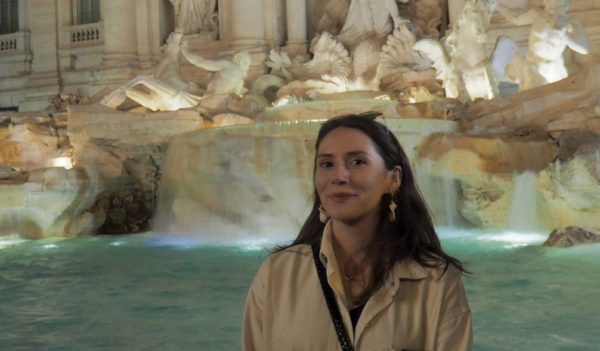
(483, 168)
(32, 141)
(567, 104)
(571, 236)
(128, 148)
(570, 186)
(229, 119)
(51, 202)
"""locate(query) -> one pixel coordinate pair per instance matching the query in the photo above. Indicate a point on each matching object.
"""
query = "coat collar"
(407, 269)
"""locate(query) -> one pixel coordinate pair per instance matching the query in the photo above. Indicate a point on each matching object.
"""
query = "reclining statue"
(167, 90)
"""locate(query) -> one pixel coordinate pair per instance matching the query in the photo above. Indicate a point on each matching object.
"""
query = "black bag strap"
(334, 310)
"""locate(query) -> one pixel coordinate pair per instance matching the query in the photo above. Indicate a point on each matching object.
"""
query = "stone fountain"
(231, 155)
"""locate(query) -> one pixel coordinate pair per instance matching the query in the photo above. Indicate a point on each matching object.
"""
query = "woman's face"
(350, 176)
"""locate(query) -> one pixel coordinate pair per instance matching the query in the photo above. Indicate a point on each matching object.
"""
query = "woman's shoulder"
(284, 262)
(288, 256)
(434, 267)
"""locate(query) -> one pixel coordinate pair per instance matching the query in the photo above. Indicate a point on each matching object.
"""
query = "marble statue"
(370, 18)
(228, 76)
(434, 51)
(401, 68)
(196, 16)
(426, 17)
(552, 31)
(167, 90)
(334, 16)
(330, 58)
(461, 60)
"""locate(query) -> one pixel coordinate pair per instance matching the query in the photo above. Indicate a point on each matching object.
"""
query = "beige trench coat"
(417, 308)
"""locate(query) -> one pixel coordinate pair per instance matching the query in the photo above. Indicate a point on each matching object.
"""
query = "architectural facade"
(85, 47)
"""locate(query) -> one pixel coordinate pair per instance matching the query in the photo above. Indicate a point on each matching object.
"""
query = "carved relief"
(196, 16)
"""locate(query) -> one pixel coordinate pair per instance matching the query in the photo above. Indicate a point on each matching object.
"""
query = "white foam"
(515, 239)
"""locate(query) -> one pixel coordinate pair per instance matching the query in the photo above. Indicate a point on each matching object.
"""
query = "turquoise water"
(150, 292)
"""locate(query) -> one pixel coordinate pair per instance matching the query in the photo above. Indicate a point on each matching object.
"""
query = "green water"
(150, 292)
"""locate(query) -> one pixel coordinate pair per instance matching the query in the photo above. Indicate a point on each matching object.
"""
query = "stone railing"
(82, 35)
(14, 43)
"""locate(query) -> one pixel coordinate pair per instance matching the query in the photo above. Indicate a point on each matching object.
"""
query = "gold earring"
(393, 206)
(323, 216)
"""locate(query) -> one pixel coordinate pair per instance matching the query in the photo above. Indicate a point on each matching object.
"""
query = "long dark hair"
(412, 235)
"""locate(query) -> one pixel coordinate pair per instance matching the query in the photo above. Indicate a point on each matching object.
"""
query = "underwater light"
(64, 162)
(10, 240)
(50, 246)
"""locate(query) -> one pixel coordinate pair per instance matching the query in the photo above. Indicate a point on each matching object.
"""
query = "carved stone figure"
(330, 58)
(196, 16)
(461, 62)
(401, 67)
(334, 16)
(228, 76)
(425, 16)
(370, 18)
(552, 31)
(165, 90)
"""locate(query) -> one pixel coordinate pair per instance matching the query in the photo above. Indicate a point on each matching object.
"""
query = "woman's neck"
(350, 240)
(349, 243)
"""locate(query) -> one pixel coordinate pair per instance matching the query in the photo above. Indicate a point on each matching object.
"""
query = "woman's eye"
(325, 164)
(357, 162)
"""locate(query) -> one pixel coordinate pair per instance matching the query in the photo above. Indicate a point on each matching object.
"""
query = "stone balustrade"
(14, 43)
(82, 35)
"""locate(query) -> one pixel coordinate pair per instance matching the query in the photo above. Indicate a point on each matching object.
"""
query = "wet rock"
(229, 119)
(571, 236)
(50, 202)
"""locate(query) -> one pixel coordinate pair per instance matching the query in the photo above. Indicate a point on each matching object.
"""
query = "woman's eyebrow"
(356, 153)
(350, 153)
(324, 155)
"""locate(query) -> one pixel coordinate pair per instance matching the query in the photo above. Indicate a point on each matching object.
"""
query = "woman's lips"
(340, 197)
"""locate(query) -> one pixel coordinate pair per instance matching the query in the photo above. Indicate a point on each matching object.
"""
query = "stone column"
(296, 26)
(43, 82)
(245, 31)
(246, 24)
(148, 33)
(120, 31)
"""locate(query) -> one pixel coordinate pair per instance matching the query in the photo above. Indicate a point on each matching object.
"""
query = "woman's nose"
(340, 175)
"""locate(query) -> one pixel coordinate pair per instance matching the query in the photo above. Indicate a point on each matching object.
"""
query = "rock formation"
(571, 236)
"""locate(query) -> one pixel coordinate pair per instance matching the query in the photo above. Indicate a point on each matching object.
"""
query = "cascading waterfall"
(440, 193)
(523, 209)
(255, 181)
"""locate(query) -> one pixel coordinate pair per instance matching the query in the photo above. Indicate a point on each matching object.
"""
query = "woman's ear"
(396, 179)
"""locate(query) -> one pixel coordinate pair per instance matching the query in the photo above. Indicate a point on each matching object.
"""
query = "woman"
(390, 284)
